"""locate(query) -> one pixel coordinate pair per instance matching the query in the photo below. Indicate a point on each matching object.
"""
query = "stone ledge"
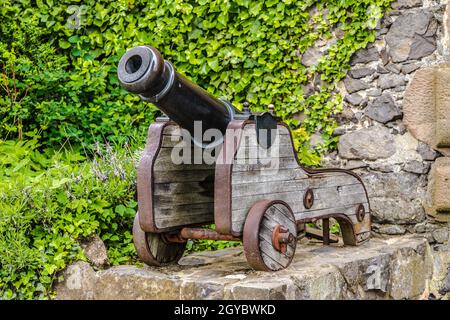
(398, 268)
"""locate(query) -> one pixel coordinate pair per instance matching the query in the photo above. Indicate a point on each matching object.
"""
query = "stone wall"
(375, 140)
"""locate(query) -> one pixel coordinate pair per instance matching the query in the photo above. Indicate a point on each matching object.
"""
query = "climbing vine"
(240, 49)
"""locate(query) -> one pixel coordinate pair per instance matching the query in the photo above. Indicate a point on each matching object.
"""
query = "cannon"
(205, 162)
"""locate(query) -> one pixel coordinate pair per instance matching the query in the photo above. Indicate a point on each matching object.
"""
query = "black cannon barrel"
(142, 70)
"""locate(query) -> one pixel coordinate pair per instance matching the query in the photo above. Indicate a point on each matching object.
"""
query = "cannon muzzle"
(143, 70)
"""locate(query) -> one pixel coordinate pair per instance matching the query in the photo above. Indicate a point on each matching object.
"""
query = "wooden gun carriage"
(247, 181)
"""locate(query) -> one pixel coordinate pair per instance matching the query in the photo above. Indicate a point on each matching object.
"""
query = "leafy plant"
(45, 93)
(48, 202)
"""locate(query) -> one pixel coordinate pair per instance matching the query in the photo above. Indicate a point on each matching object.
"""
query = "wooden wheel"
(270, 235)
(153, 249)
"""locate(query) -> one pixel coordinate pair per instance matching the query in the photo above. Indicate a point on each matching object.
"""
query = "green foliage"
(239, 49)
(49, 93)
(209, 245)
(51, 200)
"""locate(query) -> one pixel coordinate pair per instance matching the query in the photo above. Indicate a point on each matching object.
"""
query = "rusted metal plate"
(222, 183)
(145, 176)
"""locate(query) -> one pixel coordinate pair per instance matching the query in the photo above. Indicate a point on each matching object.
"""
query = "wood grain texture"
(183, 192)
(276, 214)
(251, 180)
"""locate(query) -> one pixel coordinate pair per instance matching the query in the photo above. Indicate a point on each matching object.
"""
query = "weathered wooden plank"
(278, 215)
(328, 199)
(179, 158)
(180, 215)
(346, 186)
(350, 211)
(202, 210)
(175, 153)
(183, 193)
(182, 221)
(284, 211)
(282, 174)
(164, 166)
(273, 265)
(265, 164)
(164, 200)
(256, 151)
(183, 187)
(246, 177)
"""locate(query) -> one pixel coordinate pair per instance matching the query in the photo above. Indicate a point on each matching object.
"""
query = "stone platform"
(394, 268)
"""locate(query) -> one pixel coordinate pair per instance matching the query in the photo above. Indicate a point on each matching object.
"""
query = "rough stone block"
(442, 78)
(398, 268)
(406, 4)
(78, 284)
(383, 109)
(426, 107)
(411, 36)
(256, 290)
(408, 271)
(94, 249)
(395, 197)
(437, 202)
(368, 143)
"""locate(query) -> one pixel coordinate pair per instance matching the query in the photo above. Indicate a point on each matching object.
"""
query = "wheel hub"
(281, 237)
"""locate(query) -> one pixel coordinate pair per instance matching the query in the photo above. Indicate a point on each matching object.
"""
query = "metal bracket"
(265, 124)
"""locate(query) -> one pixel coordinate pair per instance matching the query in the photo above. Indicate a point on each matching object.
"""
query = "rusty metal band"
(251, 232)
(160, 95)
(141, 244)
(145, 176)
(222, 181)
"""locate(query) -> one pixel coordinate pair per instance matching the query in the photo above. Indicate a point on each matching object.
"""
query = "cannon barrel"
(143, 70)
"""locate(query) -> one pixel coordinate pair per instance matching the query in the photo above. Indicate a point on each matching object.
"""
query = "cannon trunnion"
(248, 183)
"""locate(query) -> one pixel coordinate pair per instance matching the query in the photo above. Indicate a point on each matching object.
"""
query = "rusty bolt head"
(281, 237)
(308, 199)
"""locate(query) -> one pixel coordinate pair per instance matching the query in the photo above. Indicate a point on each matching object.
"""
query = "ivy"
(238, 49)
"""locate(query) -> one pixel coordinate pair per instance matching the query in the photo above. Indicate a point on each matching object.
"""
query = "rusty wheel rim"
(252, 237)
(143, 240)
